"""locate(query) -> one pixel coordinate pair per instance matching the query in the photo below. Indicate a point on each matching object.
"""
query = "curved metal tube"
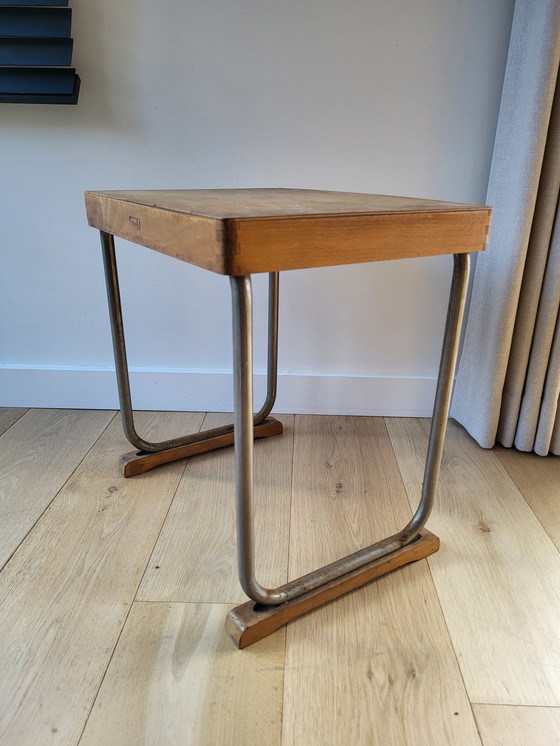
(243, 393)
(272, 357)
(121, 363)
(242, 304)
(444, 390)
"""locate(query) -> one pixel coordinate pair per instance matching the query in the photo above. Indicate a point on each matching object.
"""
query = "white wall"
(395, 97)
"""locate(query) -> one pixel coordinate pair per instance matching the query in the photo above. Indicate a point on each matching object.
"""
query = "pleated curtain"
(508, 380)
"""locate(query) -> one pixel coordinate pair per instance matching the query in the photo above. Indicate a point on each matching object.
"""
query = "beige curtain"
(508, 381)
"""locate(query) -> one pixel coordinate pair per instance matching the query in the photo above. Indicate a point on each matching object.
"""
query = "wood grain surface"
(538, 480)
(138, 462)
(497, 573)
(238, 232)
(66, 593)
(221, 204)
(9, 415)
(37, 455)
(176, 678)
(195, 556)
(376, 666)
(248, 623)
(501, 725)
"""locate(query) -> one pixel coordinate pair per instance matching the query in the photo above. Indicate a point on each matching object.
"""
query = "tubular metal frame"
(121, 363)
(243, 444)
(245, 421)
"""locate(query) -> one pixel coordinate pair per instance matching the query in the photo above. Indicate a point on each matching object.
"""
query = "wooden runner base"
(251, 622)
(139, 462)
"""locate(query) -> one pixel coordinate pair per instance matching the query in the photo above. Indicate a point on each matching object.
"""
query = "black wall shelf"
(31, 22)
(36, 53)
(42, 51)
(41, 3)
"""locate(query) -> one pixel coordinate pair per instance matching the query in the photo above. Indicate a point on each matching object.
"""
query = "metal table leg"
(271, 608)
(153, 454)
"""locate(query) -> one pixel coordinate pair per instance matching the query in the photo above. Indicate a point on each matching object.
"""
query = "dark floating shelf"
(41, 3)
(36, 53)
(31, 22)
(59, 80)
(43, 98)
(39, 51)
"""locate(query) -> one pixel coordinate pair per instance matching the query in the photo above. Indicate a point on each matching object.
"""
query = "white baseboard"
(211, 391)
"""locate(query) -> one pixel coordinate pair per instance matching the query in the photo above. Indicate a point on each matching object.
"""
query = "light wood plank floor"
(113, 592)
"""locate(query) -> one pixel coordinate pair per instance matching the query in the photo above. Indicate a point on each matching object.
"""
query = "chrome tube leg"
(248, 622)
(444, 390)
(243, 393)
(243, 440)
(272, 354)
(121, 363)
(119, 346)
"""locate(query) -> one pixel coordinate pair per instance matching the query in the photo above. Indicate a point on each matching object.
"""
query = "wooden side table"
(239, 232)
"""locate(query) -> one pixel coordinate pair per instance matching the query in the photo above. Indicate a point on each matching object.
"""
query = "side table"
(239, 232)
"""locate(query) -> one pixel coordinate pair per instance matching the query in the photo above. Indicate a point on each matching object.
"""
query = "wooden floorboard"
(176, 678)
(37, 455)
(497, 573)
(455, 650)
(538, 480)
(66, 593)
(9, 415)
(502, 725)
(195, 557)
(376, 666)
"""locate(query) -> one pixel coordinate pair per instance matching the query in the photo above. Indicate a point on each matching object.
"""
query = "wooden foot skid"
(139, 462)
(251, 622)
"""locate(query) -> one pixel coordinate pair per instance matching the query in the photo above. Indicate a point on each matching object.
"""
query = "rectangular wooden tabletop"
(243, 231)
